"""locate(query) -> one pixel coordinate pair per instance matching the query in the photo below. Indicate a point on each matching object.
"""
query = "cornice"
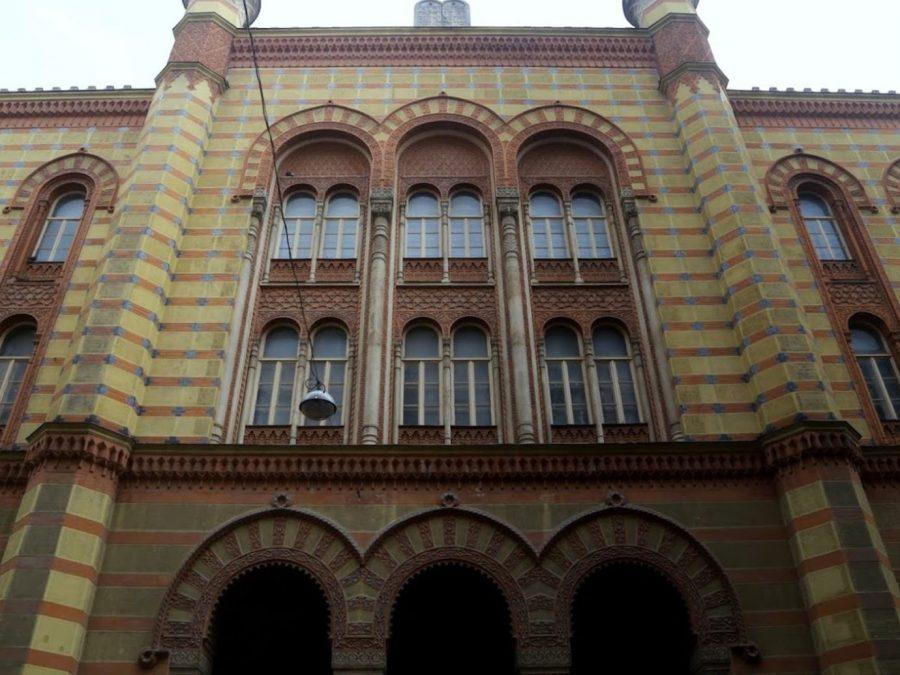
(790, 109)
(467, 47)
(124, 108)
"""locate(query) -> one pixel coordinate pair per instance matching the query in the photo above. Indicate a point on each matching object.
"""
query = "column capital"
(508, 201)
(382, 202)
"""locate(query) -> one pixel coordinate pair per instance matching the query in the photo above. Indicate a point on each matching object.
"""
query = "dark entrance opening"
(273, 620)
(449, 621)
(628, 619)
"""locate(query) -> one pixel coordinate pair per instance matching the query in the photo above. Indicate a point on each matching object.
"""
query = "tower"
(448, 14)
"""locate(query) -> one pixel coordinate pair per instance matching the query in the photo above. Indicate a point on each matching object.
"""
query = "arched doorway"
(272, 620)
(629, 619)
(450, 620)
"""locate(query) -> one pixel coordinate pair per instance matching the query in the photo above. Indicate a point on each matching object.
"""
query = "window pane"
(18, 342)
(870, 375)
(609, 342)
(627, 393)
(283, 404)
(607, 392)
(483, 394)
(264, 393)
(300, 206)
(813, 206)
(586, 205)
(64, 244)
(422, 343)
(281, 343)
(470, 343)
(557, 392)
(891, 385)
(461, 393)
(562, 343)
(423, 204)
(44, 251)
(865, 341)
(330, 343)
(544, 204)
(70, 206)
(577, 393)
(465, 204)
(343, 206)
(411, 393)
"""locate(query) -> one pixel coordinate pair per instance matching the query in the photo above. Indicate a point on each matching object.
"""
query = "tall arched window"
(422, 378)
(879, 370)
(471, 378)
(329, 364)
(466, 226)
(423, 226)
(296, 237)
(60, 228)
(341, 226)
(615, 373)
(591, 227)
(277, 368)
(823, 229)
(548, 225)
(565, 374)
(15, 353)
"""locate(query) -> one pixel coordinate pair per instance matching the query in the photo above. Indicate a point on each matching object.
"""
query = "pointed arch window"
(471, 378)
(295, 240)
(60, 228)
(466, 226)
(565, 377)
(341, 227)
(423, 226)
(615, 375)
(15, 353)
(548, 226)
(823, 228)
(277, 372)
(421, 378)
(591, 227)
(879, 370)
(329, 363)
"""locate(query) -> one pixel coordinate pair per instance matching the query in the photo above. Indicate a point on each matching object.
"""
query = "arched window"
(565, 373)
(341, 226)
(591, 228)
(15, 353)
(471, 378)
(823, 229)
(277, 368)
(423, 226)
(549, 227)
(466, 226)
(60, 228)
(329, 364)
(879, 370)
(296, 237)
(422, 378)
(615, 373)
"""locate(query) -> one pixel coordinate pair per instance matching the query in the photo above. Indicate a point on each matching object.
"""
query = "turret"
(230, 10)
(645, 13)
(449, 14)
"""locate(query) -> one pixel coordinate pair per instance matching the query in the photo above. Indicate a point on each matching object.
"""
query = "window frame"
(281, 240)
(603, 219)
(467, 232)
(62, 193)
(566, 363)
(886, 355)
(421, 383)
(324, 375)
(812, 190)
(470, 363)
(10, 362)
(437, 217)
(262, 359)
(325, 220)
(614, 376)
(547, 226)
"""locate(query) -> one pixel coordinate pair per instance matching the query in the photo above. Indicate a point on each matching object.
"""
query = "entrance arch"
(450, 619)
(269, 621)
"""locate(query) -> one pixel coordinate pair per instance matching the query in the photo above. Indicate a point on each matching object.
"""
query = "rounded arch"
(450, 536)
(422, 322)
(565, 321)
(441, 111)
(279, 537)
(471, 322)
(279, 322)
(258, 163)
(632, 535)
(892, 186)
(103, 180)
(417, 188)
(787, 171)
(562, 119)
(15, 319)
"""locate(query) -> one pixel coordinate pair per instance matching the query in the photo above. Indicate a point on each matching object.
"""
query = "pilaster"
(846, 578)
(55, 553)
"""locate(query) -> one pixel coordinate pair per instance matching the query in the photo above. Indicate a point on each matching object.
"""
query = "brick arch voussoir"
(257, 170)
(617, 144)
(635, 536)
(103, 177)
(275, 537)
(404, 121)
(783, 172)
(892, 186)
(450, 537)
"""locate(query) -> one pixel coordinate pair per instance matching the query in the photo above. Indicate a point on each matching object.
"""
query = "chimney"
(448, 14)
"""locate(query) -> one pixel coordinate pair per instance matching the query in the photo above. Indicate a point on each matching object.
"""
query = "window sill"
(421, 435)
(473, 435)
(281, 435)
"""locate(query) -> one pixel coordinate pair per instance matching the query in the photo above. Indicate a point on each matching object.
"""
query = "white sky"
(849, 44)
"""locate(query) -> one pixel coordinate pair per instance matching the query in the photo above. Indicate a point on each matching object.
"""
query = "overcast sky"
(850, 44)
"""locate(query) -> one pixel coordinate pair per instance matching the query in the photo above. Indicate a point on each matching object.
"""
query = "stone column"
(846, 579)
(508, 207)
(382, 205)
(447, 408)
(55, 553)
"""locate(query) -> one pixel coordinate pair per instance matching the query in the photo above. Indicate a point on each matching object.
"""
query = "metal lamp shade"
(318, 405)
